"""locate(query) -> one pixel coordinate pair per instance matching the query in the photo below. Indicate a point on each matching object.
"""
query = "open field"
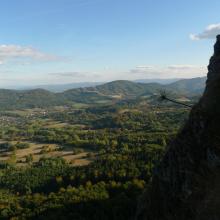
(39, 151)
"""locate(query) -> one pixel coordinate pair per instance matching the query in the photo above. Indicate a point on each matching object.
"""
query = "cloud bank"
(210, 32)
(170, 71)
(69, 74)
(12, 52)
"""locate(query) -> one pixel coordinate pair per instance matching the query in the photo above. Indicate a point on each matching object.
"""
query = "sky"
(67, 41)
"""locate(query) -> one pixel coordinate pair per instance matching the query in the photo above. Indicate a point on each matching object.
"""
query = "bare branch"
(163, 97)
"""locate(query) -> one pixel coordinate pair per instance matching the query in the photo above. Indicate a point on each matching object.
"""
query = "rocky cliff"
(186, 185)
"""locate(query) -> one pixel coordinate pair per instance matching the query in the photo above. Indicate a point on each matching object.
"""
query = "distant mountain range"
(161, 81)
(57, 87)
(97, 94)
(64, 87)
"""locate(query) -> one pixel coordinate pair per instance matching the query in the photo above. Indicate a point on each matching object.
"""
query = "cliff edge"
(186, 185)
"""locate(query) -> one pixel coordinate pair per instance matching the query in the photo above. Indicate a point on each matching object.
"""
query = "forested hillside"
(102, 94)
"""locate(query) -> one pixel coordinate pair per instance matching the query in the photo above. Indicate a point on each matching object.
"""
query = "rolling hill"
(105, 93)
(14, 99)
(194, 86)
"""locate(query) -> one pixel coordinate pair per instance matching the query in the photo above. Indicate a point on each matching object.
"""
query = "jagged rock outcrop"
(186, 185)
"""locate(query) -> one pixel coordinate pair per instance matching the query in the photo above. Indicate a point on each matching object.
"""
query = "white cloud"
(170, 71)
(179, 66)
(12, 52)
(210, 32)
(144, 67)
(69, 74)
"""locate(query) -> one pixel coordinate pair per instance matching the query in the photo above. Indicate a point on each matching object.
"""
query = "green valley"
(82, 160)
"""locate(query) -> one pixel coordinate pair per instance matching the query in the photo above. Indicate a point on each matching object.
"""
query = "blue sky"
(63, 41)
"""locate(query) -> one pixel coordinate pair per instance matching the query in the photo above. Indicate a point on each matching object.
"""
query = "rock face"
(186, 185)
